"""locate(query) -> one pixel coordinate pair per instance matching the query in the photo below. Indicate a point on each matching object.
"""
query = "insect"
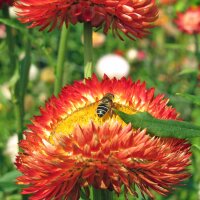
(105, 105)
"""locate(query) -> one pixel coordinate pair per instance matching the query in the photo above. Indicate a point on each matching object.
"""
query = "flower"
(98, 39)
(133, 18)
(12, 147)
(135, 55)
(189, 21)
(141, 55)
(8, 2)
(33, 72)
(5, 91)
(113, 66)
(2, 31)
(47, 75)
(131, 54)
(69, 147)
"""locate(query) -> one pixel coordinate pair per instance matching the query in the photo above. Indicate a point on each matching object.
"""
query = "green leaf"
(7, 181)
(161, 128)
(10, 176)
(192, 98)
(14, 24)
(196, 147)
(188, 72)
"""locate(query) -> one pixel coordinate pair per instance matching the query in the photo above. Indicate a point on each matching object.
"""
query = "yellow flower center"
(86, 114)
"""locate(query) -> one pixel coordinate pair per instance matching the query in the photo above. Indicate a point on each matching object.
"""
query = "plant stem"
(197, 50)
(87, 50)
(20, 89)
(197, 54)
(10, 41)
(97, 194)
(102, 195)
(61, 59)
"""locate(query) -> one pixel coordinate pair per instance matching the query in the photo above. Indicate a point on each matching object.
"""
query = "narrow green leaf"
(188, 72)
(162, 128)
(192, 98)
(196, 147)
(10, 176)
(7, 181)
(14, 24)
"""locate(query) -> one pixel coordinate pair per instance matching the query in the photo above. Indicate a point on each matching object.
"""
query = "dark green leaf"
(162, 128)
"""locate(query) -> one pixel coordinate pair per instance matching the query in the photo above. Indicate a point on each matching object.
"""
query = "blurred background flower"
(47, 75)
(189, 21)
(12, 147)
(5, 91)
(33, 72)
(98, 39)
(2, 31)
(113, 66)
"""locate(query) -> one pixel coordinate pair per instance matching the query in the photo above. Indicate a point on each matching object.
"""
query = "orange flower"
(189, 21)
(133, 18)
(69, 147)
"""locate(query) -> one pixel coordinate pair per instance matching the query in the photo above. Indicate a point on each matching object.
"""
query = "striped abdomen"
(102, 109)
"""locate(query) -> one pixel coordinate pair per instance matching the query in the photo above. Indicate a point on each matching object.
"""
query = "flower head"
(189, 21)
(133, 18)
(8, 2)
(69, 147)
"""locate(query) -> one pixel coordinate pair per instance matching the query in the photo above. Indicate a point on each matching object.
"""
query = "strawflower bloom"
(189, 21)
(68, 147)
(133, 18)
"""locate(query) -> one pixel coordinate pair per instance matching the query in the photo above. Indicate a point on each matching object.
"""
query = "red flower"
(133, 18)
(69, 147)
(189, 21)
(8, 2)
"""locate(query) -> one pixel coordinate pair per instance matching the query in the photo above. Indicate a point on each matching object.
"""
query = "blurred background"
(166, 60)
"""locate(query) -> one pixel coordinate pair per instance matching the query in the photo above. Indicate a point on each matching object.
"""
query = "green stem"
(87, 50)
(197, 50)
(97, 194)
(102, 195)
(61, 59)
(10, 40)
(20, 89)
